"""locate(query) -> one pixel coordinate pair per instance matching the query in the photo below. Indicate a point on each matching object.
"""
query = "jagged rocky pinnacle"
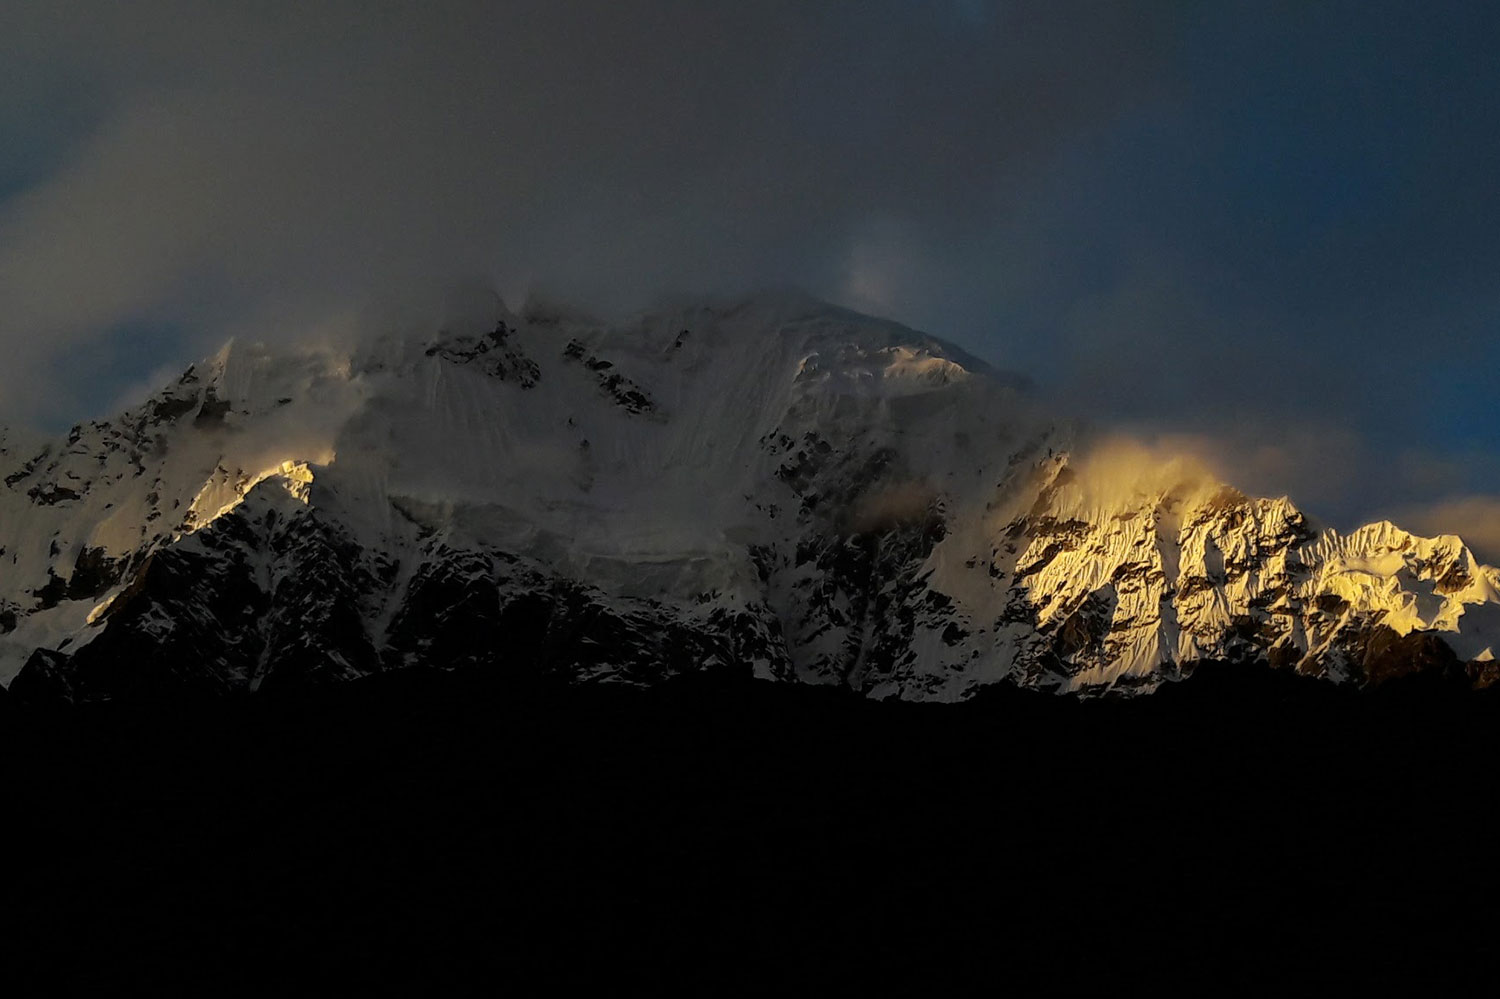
(773, 484)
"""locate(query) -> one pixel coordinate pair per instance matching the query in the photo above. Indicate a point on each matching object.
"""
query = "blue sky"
(1269, 230)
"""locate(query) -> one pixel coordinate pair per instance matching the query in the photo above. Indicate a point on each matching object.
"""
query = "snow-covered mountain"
(824, 497)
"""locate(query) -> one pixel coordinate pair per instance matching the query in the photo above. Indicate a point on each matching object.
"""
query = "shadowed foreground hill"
(435, 830)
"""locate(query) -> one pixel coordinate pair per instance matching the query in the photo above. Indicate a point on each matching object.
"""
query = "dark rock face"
(849, 585)
(1083, 632)
(186, 625)
(492, 354)
(1387, 656)
(251, 597)
(265, 601)
(213, 410)
(27, 469)
(314, 629)
(48, 493)
(463, 610)
(168, 409)
(627, 394)
(93, 573)
(864, 591)
(47, 678)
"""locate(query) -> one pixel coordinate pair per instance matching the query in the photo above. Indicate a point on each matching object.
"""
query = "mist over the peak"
(1267, 230)
(1116, 470)
(239, 162)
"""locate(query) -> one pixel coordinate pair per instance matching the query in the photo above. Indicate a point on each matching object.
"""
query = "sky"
(1267, 233)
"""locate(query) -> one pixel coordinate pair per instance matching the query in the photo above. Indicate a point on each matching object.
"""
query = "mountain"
(772, 484)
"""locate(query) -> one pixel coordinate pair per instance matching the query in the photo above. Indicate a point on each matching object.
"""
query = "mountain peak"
(771, 482)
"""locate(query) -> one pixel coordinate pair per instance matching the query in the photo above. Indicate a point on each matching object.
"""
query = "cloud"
(1335, 475)
(242, 159)
(1476, 519)
(891, 505)
(1116, 469)
(1181, 220)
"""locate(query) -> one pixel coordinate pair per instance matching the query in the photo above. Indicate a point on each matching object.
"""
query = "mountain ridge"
(769, 483)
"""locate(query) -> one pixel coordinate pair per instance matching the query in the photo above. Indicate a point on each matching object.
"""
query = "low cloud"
(245, 161)
(893, 505)
(1117, 469)
(1331, 473)
(1476, 519)
(1317, 466)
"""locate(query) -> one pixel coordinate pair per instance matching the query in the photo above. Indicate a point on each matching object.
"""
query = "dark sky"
(1265, 232)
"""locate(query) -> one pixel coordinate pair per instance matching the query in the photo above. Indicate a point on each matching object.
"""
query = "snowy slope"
(823, 496)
